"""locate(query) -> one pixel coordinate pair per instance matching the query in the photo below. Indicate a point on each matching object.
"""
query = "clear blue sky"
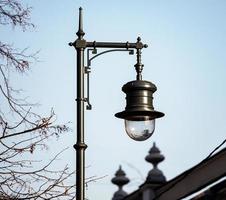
(186, 59)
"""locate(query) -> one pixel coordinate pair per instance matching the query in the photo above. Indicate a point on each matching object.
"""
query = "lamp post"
(139, 114)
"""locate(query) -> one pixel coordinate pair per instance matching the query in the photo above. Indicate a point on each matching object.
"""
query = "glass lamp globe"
(140, 130)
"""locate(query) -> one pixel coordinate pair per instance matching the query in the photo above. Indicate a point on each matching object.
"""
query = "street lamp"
(139, 113)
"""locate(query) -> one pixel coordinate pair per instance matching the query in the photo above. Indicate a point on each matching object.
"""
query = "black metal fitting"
(139, 101)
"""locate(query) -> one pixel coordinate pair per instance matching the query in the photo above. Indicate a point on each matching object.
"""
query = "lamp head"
(139, 114)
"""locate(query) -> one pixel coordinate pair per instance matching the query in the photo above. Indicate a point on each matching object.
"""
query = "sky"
(186, 60)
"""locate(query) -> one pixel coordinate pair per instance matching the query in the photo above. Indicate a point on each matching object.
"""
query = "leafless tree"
(23, 133)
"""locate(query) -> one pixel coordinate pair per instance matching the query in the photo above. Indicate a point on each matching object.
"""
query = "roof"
(196, 178)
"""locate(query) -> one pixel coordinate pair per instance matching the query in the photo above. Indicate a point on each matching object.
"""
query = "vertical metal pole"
(80, 44)
(80, 146)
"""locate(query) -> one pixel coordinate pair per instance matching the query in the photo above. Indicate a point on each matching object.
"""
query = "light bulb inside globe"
(140, 130)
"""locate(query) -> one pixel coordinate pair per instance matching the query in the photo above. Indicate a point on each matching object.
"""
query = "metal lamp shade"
(139, 101)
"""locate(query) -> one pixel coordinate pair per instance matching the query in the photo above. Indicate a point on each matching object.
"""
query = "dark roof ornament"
(155, 157)
(120, 179)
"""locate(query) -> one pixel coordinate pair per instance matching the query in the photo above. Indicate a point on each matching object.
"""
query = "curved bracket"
(88, 69)
(94, 51)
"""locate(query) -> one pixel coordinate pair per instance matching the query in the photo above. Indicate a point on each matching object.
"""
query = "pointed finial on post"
(80, 32)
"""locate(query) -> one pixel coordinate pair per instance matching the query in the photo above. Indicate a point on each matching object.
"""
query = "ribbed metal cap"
(139, 101)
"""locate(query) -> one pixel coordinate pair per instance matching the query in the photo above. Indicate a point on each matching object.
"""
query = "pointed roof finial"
(80, 32)
(120, 179)
(155, 157)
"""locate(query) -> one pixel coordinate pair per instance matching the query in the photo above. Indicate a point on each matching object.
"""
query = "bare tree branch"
(23, 132)
(14, 13)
